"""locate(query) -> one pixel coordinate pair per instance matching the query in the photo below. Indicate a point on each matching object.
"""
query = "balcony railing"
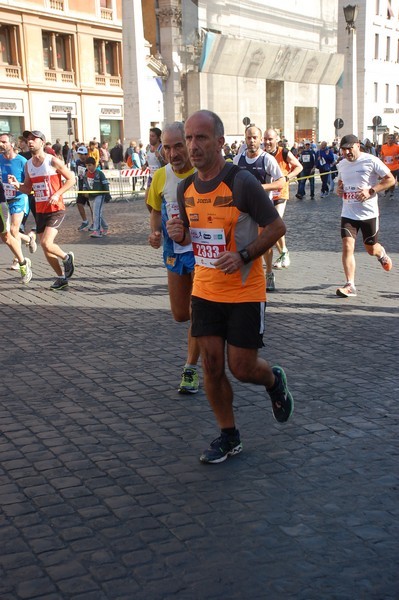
(59, 76)
(106, 14)
(57, 4)
(108, 80)
(10, 72)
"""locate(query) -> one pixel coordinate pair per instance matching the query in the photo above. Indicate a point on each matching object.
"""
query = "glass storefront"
(13, 125)
(110, 131)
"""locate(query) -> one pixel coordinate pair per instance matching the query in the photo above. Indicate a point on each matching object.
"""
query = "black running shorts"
(53, 219)
(368, 227)
(241, 324)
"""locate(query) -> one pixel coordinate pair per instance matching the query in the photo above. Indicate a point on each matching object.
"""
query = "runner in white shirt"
(360, 177)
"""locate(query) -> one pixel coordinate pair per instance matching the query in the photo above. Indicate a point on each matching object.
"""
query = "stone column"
(136, 120)
(170, 19)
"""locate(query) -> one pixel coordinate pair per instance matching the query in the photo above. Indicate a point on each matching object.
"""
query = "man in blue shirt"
(12, 163)
(307, 158)
(324, 161)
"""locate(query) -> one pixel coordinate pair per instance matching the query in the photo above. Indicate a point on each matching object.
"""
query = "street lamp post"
(350, 12)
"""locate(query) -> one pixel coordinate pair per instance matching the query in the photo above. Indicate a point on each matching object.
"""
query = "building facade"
(377, 74)
(279, 65)
(275, 64)
(61, 70)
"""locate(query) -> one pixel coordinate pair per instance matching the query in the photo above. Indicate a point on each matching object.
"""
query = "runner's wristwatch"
(245, 256)
(371, 191)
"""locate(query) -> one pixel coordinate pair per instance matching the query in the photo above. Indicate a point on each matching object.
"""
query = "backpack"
(228, 179)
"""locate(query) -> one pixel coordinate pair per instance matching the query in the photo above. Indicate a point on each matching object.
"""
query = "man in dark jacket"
(307, 158)
(324, 161)
(116, 154)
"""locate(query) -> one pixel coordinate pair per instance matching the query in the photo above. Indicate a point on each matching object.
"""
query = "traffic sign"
(377, 121)
(338, 123)
(378, 128)
(69, 122)
(246, 121)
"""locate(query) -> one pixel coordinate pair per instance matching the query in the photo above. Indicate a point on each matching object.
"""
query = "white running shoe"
(285, 260)
(32, 245)
(15, 265)
(348, 290)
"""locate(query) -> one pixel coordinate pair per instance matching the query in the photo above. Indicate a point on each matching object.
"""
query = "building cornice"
(58, 17)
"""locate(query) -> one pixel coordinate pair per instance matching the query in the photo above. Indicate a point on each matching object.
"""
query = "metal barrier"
(123, 184)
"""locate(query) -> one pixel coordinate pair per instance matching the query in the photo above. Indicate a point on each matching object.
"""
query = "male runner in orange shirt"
(221, 209)
(390, 157)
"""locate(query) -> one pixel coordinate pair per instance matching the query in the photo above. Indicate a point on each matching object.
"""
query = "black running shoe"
(281, 397)
(69, 265)
(221, 448)
(59, 284)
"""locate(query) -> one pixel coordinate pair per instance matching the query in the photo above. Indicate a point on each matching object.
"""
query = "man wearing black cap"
(360, 177)
(43, 174)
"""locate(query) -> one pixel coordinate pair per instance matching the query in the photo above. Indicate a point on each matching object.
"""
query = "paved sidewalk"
(102, 495)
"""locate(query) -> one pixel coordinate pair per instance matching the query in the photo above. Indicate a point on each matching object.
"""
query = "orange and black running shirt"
(219, 219)
(390, 156)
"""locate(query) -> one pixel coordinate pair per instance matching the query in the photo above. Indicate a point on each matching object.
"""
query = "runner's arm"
(69, 176)
(295, 166)
(26, 186)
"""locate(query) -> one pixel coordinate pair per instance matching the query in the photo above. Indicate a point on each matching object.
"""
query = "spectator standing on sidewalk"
(104, 156)
(82, 199)
(307, 158)
(94, 152)
(324, 162)
(116, 154)
(95, 180)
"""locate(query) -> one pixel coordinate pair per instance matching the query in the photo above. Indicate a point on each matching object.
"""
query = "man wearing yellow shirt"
(178, 259)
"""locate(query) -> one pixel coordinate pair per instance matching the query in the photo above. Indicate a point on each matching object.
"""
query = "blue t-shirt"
(14, 166)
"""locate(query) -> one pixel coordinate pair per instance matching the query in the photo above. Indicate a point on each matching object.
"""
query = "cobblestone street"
(102, 494)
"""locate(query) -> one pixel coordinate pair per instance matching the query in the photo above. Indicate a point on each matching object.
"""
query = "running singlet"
(14, 166)
(256, 166)
(152, 161)
(264, 167)
(45, 182)
(284, 193)
(364, 172)
(162, 197)
(219, 222)
(390, 156)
